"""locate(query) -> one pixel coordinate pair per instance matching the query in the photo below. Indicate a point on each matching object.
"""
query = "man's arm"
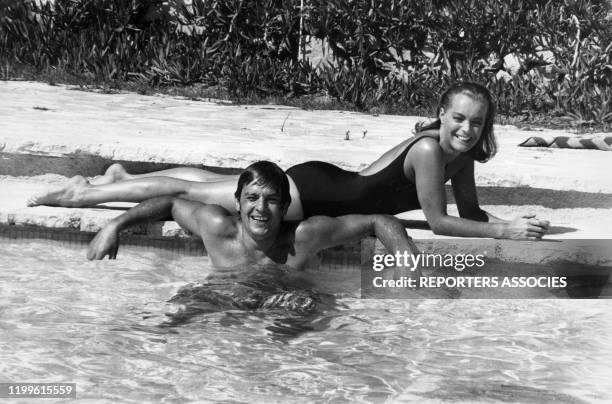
(324, 232)
(106, 242)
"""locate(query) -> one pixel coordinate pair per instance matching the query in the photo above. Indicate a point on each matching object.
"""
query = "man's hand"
(105, 243)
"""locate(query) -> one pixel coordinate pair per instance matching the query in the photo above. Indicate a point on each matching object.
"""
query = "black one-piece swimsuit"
(328, 190)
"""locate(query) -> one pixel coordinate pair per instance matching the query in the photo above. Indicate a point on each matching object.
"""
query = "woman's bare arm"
(427, 161)
(464, 189)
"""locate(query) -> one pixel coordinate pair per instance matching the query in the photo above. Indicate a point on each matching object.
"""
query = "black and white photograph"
(305, 201)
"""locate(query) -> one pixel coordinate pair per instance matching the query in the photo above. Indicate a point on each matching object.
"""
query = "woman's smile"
(461, 124)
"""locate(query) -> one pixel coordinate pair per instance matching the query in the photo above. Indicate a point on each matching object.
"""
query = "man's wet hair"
(266, 174)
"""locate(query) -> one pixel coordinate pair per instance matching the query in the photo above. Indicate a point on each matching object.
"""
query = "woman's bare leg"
(78, 192)
(116, 172)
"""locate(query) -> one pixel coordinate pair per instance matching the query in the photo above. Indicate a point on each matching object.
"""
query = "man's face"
(261, 210)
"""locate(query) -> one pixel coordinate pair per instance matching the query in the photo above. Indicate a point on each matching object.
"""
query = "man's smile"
(262, 219)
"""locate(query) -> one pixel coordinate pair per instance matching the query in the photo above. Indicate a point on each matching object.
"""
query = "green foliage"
(394, 55)
(432, 43)
(246, 44)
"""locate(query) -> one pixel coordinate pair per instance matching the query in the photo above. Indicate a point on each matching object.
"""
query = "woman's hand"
(525, 226)
(106, 242)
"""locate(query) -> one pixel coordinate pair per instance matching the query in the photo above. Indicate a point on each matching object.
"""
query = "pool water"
(109, 327)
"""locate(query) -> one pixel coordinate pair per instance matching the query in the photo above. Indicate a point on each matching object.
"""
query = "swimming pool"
(100, 325)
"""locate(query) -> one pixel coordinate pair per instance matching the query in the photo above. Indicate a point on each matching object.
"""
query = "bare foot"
(114, 173)
(64, 195)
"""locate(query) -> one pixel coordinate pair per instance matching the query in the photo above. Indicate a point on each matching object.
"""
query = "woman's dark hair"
(486, 147)
(266, 174)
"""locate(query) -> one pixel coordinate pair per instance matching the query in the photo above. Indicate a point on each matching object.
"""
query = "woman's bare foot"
(65, 195)
(114, 173)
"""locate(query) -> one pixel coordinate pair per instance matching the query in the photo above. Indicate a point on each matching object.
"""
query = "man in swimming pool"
(259, 234)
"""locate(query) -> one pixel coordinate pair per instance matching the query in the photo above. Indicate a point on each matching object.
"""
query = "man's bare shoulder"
(216, 221)
(324, 232)
(312, 225)
(313, 230)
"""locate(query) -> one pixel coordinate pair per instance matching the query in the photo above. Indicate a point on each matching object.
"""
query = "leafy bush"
(564, 47)
(397, 55)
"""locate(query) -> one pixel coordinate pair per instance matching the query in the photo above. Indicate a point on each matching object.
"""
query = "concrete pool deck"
(62, 132)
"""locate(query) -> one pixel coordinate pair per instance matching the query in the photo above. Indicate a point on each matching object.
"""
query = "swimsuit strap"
(395, 169)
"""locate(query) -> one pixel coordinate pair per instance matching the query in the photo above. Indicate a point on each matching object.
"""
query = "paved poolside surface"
(62, 131)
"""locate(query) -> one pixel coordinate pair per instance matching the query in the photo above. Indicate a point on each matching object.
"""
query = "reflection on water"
(147, 328)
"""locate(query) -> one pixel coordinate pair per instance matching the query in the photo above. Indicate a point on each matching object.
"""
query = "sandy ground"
(57, 121)
(56, 124)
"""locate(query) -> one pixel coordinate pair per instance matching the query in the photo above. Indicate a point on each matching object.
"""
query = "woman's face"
(461, 124)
